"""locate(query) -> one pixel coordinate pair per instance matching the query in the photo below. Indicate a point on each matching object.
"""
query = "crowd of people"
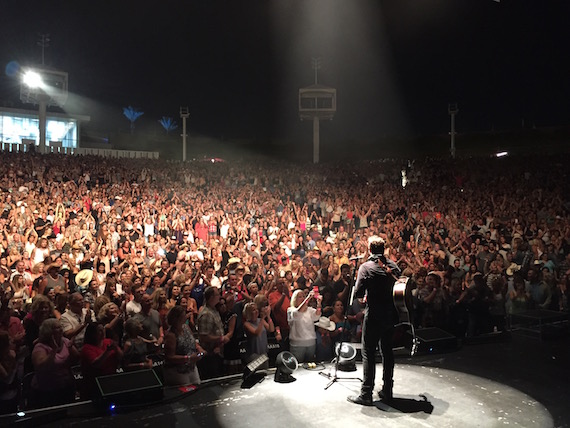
(110, 264)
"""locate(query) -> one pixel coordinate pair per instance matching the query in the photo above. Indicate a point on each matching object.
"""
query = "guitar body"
(404, 333)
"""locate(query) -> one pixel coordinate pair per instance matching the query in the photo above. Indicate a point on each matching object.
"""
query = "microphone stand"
(334, 378)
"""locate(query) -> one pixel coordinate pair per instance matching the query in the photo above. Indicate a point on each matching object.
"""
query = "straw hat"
(233, 260)
(512, 269)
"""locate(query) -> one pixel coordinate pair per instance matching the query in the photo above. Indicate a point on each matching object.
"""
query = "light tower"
(452, 110)
(317, 102)
(184, 115)
(44, 87)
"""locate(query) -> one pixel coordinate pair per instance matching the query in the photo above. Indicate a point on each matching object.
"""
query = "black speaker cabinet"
(435, 340)
(130, 388)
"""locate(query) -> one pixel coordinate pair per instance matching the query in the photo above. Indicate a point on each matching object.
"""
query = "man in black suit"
(375, 281)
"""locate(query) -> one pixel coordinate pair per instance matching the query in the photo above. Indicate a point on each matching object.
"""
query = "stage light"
(21, 414)
(346, 357)
(32, 79)
(501, 154)
(112, 407)
(251, 376)
(286, 364)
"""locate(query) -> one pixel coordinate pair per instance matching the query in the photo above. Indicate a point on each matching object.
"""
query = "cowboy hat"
(233, 260)
(83, 278)
(325, 323)
(53, 266)
(512, 269)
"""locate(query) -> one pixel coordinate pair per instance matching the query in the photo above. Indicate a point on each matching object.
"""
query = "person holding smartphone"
(301, 317)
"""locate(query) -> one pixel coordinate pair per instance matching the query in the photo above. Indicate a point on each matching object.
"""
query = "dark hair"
(91, 333)
(175, 313)
(376, 245)
(209, 292)
(4, 340)
(337, 300)
(36, 283)
(61, 299)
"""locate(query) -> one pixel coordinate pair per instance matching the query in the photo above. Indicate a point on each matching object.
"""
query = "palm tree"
(168, 124)
(132, 114)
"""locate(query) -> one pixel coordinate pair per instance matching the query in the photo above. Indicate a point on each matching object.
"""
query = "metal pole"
(184, 138)
(316, 139)
(317, 61)
(452, 110)
(453, 135)
(42, 116)
(184, 115)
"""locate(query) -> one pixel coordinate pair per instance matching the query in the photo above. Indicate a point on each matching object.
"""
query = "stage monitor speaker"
(435, 340)
(130, 388)
(346, 355)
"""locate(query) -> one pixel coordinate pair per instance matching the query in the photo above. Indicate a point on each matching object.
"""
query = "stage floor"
(520, 382)
(424, 396)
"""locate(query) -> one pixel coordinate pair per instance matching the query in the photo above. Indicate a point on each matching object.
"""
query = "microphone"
(356, 258)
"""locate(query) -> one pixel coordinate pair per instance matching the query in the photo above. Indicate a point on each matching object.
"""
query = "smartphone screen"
(316, 290)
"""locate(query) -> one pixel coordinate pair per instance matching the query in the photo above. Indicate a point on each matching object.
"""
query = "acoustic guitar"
(404, 332)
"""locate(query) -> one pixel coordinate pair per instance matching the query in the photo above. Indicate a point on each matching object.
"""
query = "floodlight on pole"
(317, 102)
(43, 87)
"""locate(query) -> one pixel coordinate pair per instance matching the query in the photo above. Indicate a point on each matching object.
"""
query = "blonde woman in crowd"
(301, 317)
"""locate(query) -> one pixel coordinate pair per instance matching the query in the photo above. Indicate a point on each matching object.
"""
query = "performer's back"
(374, 281)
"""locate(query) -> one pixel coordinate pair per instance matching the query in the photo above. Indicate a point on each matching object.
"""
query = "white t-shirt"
(40, 255)
(148, 229)
(224, 228)
(215, 282)
(133, 308)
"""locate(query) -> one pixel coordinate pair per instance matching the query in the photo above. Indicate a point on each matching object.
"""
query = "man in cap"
(54, 279)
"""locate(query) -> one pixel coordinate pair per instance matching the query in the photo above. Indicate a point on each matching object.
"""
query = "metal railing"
(56, 147)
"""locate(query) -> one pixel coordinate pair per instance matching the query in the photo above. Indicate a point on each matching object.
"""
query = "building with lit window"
(20, 128)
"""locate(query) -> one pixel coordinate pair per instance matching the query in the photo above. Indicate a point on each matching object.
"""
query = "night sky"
(238, 64)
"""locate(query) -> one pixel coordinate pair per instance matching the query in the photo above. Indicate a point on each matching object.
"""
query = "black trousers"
(373, 333)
